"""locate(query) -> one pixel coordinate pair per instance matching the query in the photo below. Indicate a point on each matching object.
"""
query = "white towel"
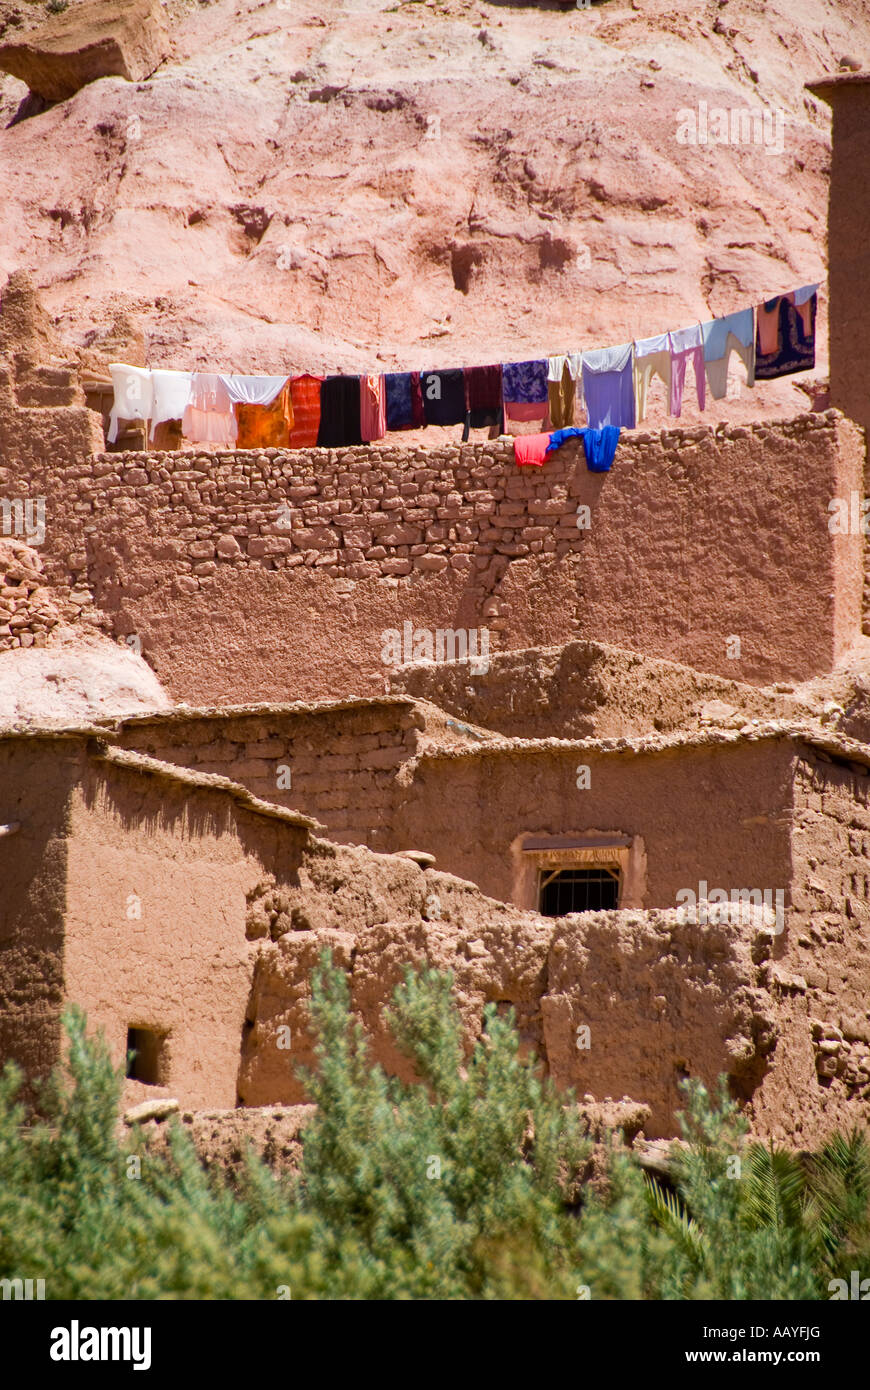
(133, 396)
(172, 393)
(573, 361)
(648, 347)
(682, 339)
(253, 390)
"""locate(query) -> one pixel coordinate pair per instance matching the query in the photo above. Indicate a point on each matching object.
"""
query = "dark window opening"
(593, 889)
(148, 1063)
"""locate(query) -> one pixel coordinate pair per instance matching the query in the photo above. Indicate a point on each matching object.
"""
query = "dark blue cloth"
(339, 412)
(444, 396)
(400, 411)
(599, 445)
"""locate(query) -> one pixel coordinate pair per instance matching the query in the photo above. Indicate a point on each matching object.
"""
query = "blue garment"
(599, 445)
(741, 324)
(525, 383)
(400, 412)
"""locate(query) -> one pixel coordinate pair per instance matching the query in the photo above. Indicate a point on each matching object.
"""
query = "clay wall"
(389, 777)
(714, 812)
(587, 690)
(849, 240)
(340, 761)
(695, 537)
(235, 904)
(158, 877)
(35, 781)
(821, 966)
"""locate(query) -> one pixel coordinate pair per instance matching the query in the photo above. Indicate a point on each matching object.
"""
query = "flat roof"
(835, 745)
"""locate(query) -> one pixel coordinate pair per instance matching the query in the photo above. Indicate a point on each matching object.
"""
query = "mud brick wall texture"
(276, 574)
(339, 768)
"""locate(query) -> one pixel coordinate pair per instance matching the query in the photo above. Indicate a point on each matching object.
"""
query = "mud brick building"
(675, 704)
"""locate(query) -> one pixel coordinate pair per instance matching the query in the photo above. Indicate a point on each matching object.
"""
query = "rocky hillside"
(364, 184)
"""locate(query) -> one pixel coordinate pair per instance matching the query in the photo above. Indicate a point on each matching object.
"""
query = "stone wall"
(30, 608)
(276, 575)
(338, 763)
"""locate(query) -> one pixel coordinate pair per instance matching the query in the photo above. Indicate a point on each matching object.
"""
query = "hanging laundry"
(531, 448)
(134, 396)
(339, 412)
(373, 408)
(652, 357)
(444, 396)
(398, 391)
(598, 445)
(483, 402)
(253, 390)
(608, 386)
(305, 399)
(417, 407)
(525, 389)
(734, 333)
(265, 426)
(563, 379)
(786, 334)
(687, 345)
(171, 395)
(209, 417)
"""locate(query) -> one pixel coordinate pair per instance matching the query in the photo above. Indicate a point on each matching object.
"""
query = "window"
(149, 1063)
(579, 889)
(578, 871)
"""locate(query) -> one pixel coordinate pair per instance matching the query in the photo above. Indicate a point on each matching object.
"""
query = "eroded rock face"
(522, 186)
(108, 38)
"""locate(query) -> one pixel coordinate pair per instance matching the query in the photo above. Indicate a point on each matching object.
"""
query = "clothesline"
(772, 339)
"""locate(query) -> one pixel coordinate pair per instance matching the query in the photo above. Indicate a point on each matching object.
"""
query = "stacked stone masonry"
(694, 537)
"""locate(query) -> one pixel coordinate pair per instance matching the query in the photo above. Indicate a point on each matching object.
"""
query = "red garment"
(483, 388)
(305, 395)
(531, 448)
(524, 411)
(417, 411)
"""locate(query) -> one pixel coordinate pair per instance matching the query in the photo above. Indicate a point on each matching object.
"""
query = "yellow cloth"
(561, 396)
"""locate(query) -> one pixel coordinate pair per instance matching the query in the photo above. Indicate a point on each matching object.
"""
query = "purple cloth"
(525, 382)
(608, 386)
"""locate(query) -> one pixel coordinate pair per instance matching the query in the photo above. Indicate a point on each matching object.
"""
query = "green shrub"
(464, 1184)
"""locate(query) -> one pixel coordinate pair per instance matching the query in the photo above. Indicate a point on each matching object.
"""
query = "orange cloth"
(265, 426)
(305, 395)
